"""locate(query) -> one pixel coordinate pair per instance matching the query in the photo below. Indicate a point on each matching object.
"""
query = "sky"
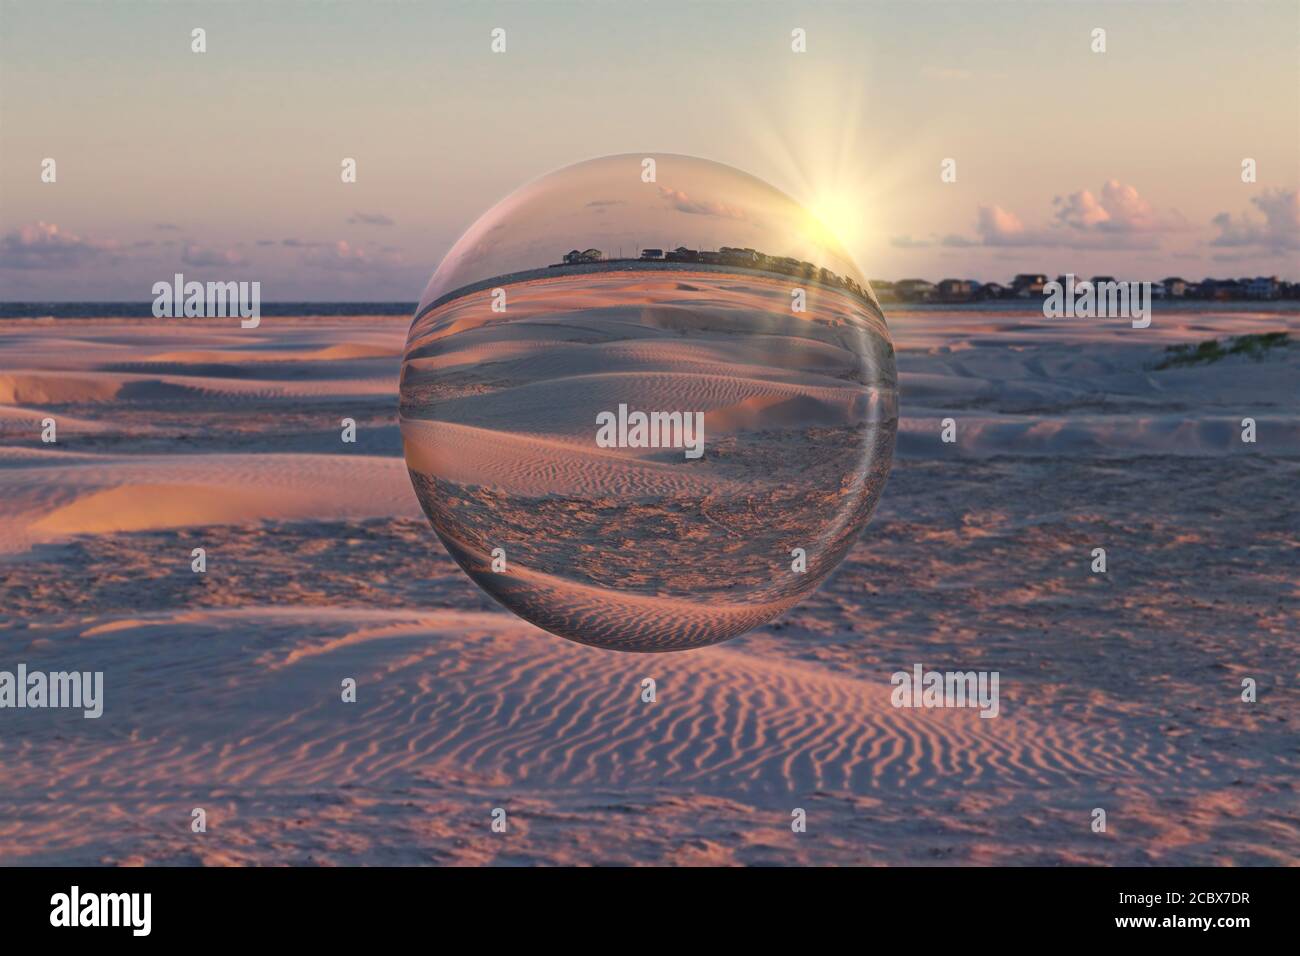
(625, 203)
(226, 165)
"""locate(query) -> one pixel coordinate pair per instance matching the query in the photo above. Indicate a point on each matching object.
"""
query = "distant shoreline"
(558, 271)
(28, 311)
(144, 310)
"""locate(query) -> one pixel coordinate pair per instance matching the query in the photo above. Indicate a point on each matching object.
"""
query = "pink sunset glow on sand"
(184, 434)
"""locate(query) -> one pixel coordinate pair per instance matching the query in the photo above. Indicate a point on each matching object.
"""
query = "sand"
(1119, 691)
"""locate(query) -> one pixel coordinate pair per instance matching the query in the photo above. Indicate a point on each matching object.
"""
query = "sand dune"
(1016, 386)
(532, 465)
(722, 716)
(542, 357)
(223, 689)
(44, 388)
(1104, 435)
(516, 717)
(95, 494)
(532, 407)
(776, 411)
(26, 422)
(326, 353)
(151, 505)
(28, 388)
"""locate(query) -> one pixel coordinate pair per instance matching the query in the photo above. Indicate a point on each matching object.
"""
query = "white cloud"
(1116, 218)
(699, 207)
(369, 219)
(1278, 231)
(43, 245)
(196, 255)
(1119, 208)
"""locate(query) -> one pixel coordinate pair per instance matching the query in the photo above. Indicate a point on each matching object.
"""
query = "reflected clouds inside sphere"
(648, 403)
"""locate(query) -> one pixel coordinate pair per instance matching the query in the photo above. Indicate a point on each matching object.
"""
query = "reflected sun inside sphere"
(648, 402)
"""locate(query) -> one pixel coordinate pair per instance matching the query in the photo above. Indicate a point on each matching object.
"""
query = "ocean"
(144, 310)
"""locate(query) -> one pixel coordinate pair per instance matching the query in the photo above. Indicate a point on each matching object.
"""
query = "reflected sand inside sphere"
(640, 453)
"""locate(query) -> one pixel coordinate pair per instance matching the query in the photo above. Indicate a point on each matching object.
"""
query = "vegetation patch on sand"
(1256, 346)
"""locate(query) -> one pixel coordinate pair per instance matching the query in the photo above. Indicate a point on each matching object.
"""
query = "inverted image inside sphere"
(648, 414)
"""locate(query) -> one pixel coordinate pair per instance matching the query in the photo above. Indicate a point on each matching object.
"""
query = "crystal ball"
(648, 402)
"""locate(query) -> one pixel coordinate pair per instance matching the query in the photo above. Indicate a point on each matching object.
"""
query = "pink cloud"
(1000, 227)
(43, 245)
(342, 256)
(1119, 208)
(1279, 230)
(684, 203)
(1116, 218)
(196, 255)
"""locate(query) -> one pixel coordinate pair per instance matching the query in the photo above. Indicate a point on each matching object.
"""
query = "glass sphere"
(648, 402)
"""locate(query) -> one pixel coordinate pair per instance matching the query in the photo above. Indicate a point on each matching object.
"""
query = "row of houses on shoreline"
(1025, 285)
(1029, 285)
(725, 256)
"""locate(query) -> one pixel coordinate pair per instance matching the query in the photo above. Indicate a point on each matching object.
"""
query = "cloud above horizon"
(696, 207)
(196, 255)
(342, 256)
(1279, 231)
(369, 219)
(43, 245)
(1117, 217)
(1118, 209)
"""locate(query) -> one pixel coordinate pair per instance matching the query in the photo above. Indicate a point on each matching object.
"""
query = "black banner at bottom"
(335, 906)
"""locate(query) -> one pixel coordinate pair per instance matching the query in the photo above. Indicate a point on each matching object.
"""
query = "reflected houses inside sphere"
(648, 416)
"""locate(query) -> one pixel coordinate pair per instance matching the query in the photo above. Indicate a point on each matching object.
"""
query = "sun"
(816, 145)
(840, 220)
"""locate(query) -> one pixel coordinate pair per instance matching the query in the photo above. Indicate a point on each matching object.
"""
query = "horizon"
(874, 282)
(639, 258)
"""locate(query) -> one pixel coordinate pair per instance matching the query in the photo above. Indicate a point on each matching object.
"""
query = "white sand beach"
(222, 689)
